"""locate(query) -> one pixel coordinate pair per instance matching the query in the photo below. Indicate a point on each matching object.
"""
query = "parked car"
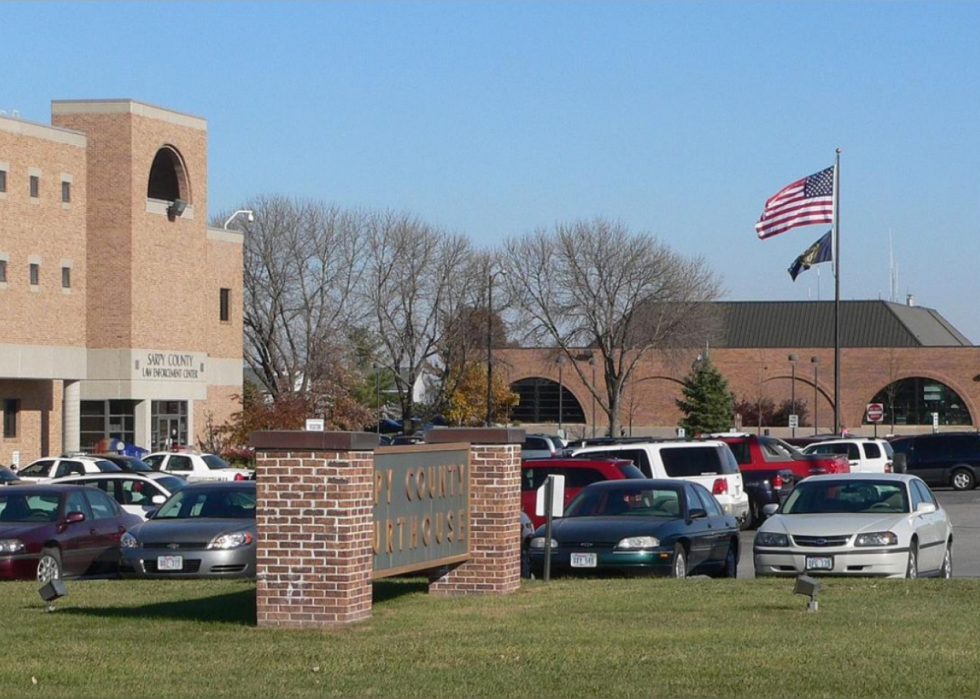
(769, 469)
(8, 477)
(196, 467)
(59, 467)
(944, 459)
(863, 455)
(661, 527)
(578, 474)
(52, 531)
(127, 464)
(136, 493)
(541, 446)
(203, 530)
(886, 524)
(708, 462)
(401, 440)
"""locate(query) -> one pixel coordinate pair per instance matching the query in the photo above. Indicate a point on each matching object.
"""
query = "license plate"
(819, 563)
(583, 560)
(170, 562)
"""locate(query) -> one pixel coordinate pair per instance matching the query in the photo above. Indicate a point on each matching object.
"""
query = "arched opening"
(168, 177)
(913, 400)
(540, 402)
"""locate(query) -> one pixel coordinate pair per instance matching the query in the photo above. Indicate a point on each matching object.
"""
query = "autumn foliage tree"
(468, 401)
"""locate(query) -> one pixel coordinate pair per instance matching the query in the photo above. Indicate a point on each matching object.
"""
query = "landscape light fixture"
(809, 587)
(176, 209)
(52, 591)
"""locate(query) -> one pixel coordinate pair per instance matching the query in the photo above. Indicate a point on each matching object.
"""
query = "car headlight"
(231, 541)
(638, 542)
(128, 541)
(771, 539)
(538, 543)
(11, 546)
(877, 539)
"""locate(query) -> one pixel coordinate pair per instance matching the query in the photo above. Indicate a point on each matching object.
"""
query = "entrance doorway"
(168, 419)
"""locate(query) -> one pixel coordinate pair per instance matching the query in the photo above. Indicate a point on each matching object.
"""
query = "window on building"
(35, 274)
(3, 180)
(3, 271)
(543, 399)
(11, 415)
(66, 277)
(168, 177)
(66, 192)
(225, 302)
(35, 186)
(912, 401)
(101, 419)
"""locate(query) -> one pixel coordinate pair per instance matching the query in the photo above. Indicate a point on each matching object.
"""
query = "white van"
(864, 455)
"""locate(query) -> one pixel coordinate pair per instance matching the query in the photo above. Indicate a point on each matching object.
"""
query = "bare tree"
(595, 284)
(303, 262)
(418, 278)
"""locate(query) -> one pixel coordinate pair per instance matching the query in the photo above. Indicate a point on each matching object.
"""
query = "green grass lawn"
(570, 638)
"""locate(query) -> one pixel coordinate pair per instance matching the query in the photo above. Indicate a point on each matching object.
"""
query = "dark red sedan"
(55, 531)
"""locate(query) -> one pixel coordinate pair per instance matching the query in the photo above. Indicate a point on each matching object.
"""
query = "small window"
(66, 277)
(78, 503)
(35, 274)
(3, 269)
(3, 180)
(35, 186)
(180, 463)
(103, 507)
(11, 410)
(225, 301)
(742, 452)
(66, 192)
(871, 450)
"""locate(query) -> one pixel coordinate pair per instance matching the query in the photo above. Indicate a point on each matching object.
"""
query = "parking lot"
(963, 509)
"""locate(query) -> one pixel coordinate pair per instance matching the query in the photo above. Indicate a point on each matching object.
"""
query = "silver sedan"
(887, 525)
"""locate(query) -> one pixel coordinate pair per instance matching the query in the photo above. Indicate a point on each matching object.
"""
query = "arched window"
(168, 177)
(912, 401)
(540, 404)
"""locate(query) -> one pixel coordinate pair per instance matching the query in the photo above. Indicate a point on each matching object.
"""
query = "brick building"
(910, 358)
(120, 309)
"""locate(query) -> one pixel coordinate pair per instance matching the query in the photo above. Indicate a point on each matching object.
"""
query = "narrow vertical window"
(66, 192)
(66, 277)
(35, 186)
(3, 271)
(225, 303)
(11, 407)
(3, 180)
(35, 274)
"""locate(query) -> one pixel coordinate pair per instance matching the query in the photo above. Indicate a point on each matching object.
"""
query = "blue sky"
(493, 119)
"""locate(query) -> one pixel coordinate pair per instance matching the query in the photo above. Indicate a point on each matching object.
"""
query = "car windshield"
(21, 507)
(847, 497)
(171, 483)
(211, 503)
(107, 466)
(632, 501)
(215, 462)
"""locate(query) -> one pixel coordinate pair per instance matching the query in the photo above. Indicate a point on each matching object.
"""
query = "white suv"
(196, 467)
(708, 462)
(864, 455)
(61, 466)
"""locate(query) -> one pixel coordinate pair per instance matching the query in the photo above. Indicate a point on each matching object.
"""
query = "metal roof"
(811, 324)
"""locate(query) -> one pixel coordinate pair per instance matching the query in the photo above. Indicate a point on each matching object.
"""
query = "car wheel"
(963, 479)
(680, 562)
(731, 562)
(49, 565)
(912, 570)
(947, 571)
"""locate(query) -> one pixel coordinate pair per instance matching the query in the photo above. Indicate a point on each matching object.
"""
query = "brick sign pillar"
(494, 521)
(314, 518)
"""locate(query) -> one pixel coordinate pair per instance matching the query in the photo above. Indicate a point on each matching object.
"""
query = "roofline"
(128, 106)
(34, 129)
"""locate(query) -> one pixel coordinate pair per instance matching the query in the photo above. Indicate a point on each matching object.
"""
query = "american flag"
(802, 203)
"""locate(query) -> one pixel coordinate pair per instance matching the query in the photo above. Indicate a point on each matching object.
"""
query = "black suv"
(950, 458)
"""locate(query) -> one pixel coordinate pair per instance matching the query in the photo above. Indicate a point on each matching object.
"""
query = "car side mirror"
(925, 508)
(770, 509)
(697, 513)
(74, 517)
(158, 499)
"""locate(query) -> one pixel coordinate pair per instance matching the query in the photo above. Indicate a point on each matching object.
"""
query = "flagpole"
(837, 424)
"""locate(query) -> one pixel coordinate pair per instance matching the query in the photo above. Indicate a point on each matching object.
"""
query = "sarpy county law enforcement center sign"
(421, 507)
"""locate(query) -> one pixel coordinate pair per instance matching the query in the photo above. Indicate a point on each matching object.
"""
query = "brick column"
(314, 518)
(495, 519)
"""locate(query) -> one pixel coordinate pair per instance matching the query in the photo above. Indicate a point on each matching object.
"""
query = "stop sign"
(876, 412)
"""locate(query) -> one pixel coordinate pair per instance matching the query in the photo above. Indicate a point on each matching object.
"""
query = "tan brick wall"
(39, 423)
(222, 403)
(46, 229)
(495, 525)
(314, 520)
(224, 269)
(864, 372)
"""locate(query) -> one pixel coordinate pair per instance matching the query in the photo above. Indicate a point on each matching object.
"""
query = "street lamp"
(592, 362)
(792, 391)
(490, 343)
(816, 375)
(249, 212)
(561, 390)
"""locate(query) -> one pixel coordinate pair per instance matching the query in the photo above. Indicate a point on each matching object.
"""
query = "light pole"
(250, 219)
(816, 375)
(792, 390)
(377, 389)
(593, 363)
(561, 390)
(490, 279)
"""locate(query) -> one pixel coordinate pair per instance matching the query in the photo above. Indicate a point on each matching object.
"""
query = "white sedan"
(196, 467)
(136, 493)
(885, 524)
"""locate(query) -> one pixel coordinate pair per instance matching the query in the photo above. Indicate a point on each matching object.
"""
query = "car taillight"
(239, 477)
(720, 487)
(777, 482)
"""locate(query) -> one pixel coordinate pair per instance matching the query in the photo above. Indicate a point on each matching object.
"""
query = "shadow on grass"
(231, 608)
(388, 589)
